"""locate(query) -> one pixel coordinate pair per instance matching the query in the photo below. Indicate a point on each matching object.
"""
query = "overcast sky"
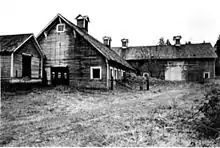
(143, 22)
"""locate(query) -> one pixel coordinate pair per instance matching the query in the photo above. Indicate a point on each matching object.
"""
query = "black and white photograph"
(110, 73)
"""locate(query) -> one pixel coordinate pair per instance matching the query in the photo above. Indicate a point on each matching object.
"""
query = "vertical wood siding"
(67, 49)
(27, 48)
(189, 67)
(5, 65)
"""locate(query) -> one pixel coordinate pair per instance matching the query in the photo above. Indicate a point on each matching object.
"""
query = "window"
(116, 74)
(65, 75)
(60, 27)
(206, 75)
(122, 73)
(96, 72)
(53, 75)
(111, 73)
(26, 66)
(59, 75)
(119, 74)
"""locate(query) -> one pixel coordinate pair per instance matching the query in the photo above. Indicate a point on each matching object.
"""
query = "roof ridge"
(105, 51)
(163, 45)
(122, 61)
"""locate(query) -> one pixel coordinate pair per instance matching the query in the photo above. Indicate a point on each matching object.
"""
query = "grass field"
(65, 117)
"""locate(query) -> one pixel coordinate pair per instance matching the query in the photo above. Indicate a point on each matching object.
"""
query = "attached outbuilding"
(21, 59)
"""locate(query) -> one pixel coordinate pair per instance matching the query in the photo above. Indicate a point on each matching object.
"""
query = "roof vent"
(124, 43)
(82, 22)
(177, 40)
(107, 41)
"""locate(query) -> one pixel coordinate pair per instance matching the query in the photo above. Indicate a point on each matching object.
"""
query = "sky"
(143, 22)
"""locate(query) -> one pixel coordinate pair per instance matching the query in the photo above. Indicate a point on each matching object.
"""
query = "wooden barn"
(21, 59)
(190, 62)
(74, 57)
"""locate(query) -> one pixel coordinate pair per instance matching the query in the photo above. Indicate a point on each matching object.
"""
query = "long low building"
(190, 62)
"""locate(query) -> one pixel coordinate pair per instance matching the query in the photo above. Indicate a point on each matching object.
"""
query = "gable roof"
(11, 43)
(107, 52)
(185, 51)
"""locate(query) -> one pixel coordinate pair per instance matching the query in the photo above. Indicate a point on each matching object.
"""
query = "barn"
(190, 62)
(21, 59)
(74, 57)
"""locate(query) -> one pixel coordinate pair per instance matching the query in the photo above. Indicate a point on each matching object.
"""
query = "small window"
(60, 27)
(65, 75)
(206, 75)
(53, 75)
(116, 74)
(122, 73)
(112, 73)
(119, 73)
(95, 72)
(59, 75)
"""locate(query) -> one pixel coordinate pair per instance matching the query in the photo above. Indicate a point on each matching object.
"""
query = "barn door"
(60, 75)
(174, 71)
(26, 66)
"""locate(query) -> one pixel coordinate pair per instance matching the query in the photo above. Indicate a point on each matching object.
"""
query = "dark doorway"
(26, 66)
(60, 75)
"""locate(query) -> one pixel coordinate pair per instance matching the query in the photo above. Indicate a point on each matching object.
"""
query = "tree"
(217, 46)
(217, 62)
(161, 41)
(168, 42)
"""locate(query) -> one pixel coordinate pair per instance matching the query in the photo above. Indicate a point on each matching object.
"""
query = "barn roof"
(185, 51)
(104, 50)
(10, 43)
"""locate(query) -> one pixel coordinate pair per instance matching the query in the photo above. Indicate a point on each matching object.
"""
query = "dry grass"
(66, 117)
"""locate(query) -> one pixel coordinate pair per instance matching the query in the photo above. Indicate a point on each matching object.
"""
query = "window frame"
(91, 72)
(204, 73)
(64, 27)
(112, 72)
(116, 73)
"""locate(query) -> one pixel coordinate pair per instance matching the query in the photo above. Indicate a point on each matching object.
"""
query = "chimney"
(82, 22)
(124, 43)
(177, 40)
(107, 41)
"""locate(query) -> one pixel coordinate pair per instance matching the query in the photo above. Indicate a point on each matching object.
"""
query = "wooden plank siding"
(72, 50)
(27, 48)
(198, 67)
(5, 65)
(189, 68)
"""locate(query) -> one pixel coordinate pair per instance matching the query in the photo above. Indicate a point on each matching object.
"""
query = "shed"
(21, 59)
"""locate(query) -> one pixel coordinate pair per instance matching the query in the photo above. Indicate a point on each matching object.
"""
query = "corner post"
(12, 64)
(41, 72)
(107, 70)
